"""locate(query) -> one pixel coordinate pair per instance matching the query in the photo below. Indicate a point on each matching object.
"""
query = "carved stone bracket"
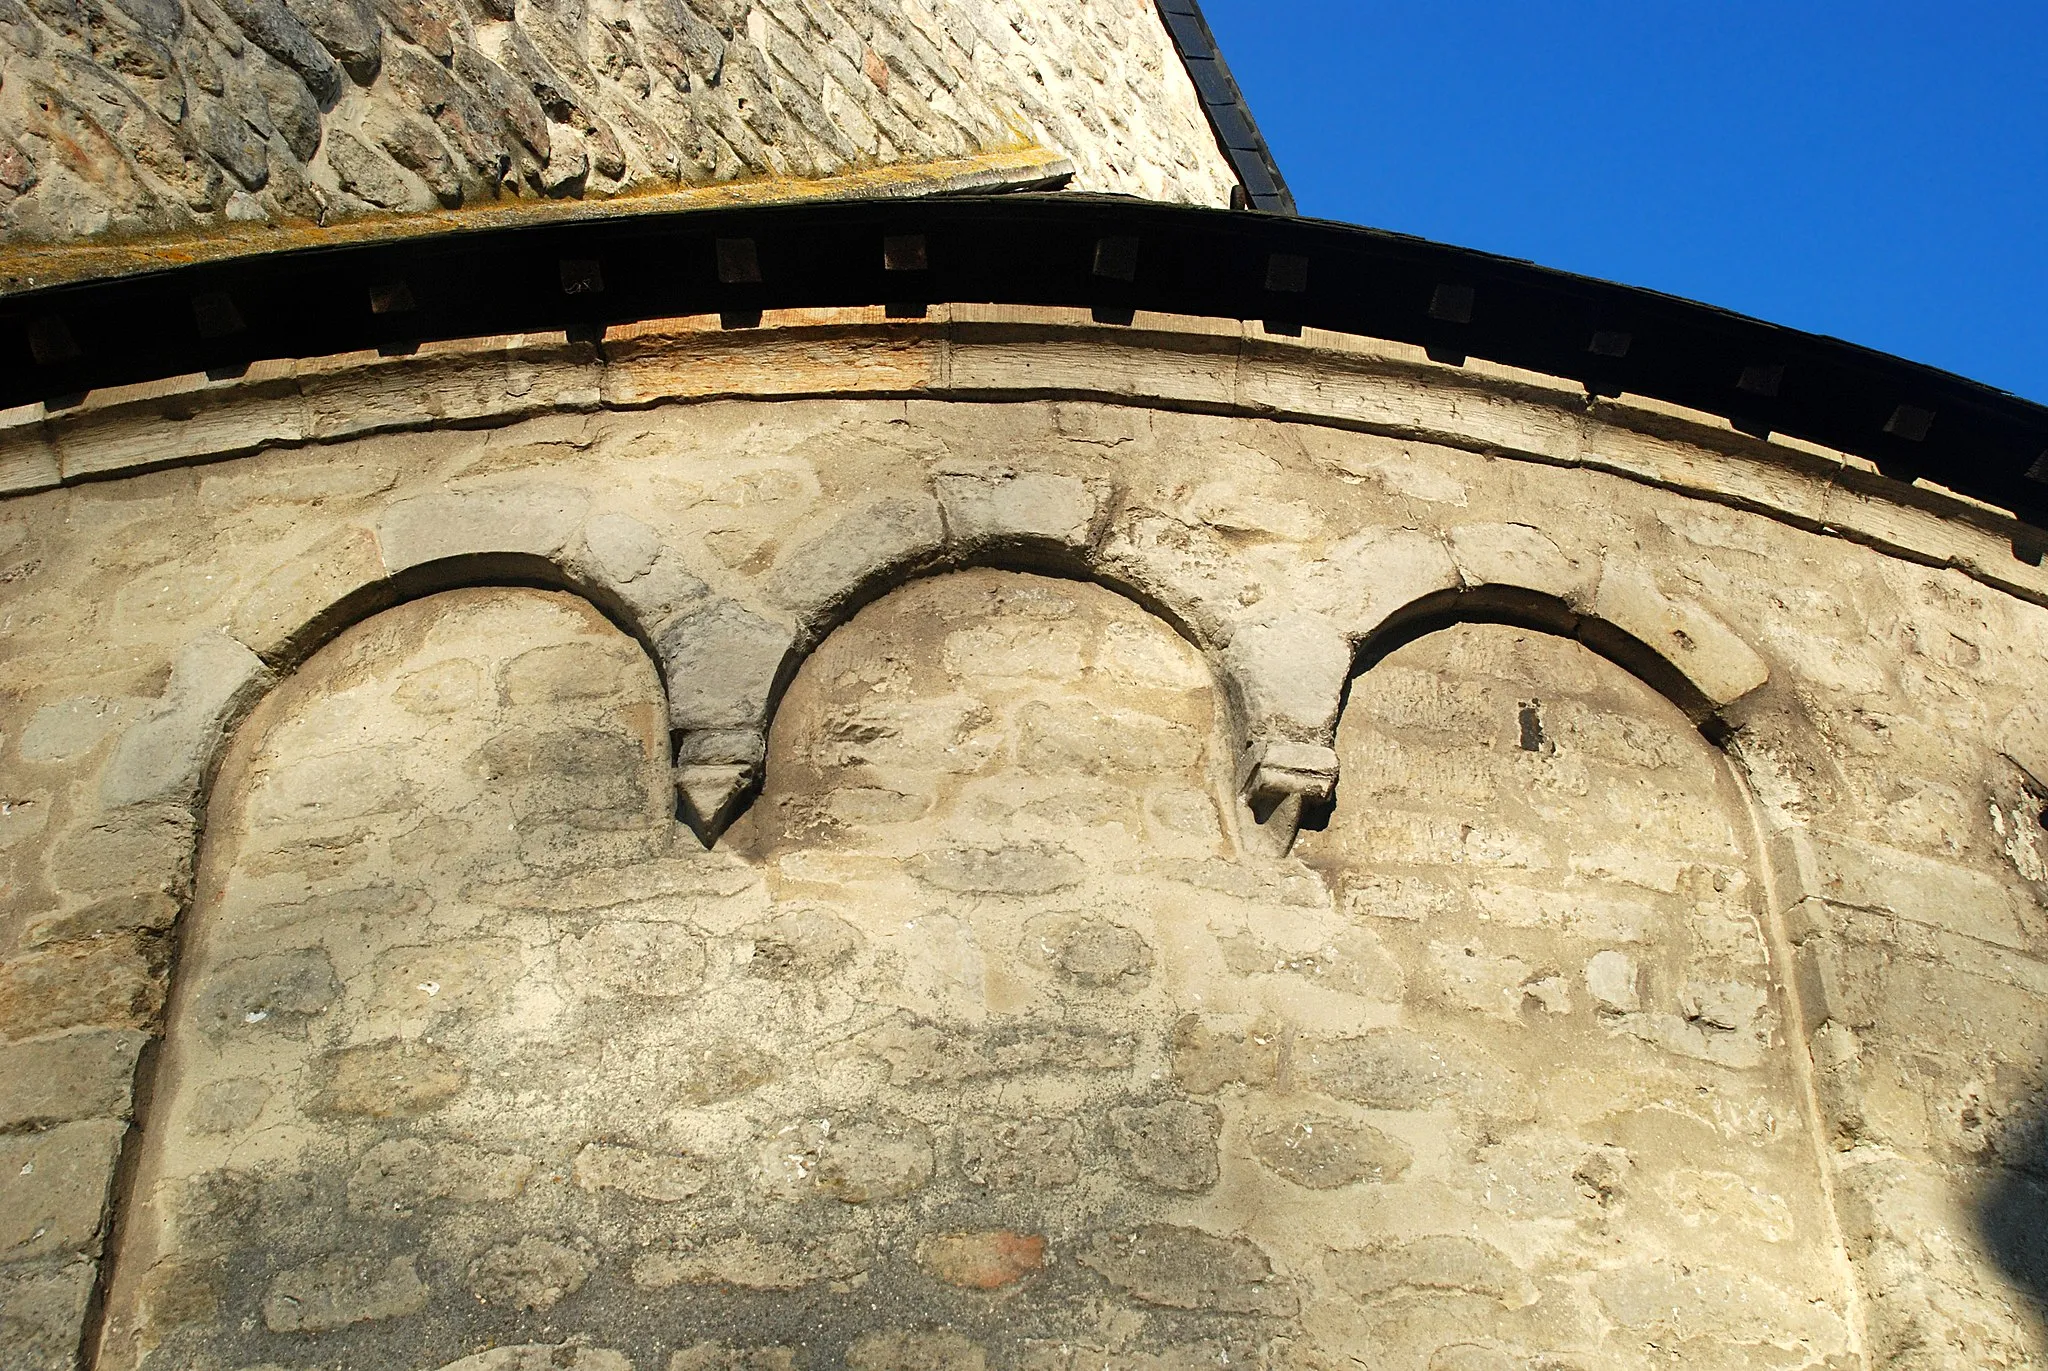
(1282, 783)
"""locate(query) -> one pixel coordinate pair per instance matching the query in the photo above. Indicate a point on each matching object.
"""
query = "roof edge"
(1230, 118)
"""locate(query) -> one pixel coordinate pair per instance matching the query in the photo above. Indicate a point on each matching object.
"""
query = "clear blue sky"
(1874, 170)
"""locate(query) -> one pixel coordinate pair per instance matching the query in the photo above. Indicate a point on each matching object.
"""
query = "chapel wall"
(1880, 796)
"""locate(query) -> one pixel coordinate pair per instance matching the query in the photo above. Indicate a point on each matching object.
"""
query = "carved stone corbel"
(1282, 783)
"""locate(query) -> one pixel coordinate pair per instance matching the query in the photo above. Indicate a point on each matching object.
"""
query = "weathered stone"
(297, 595)
(721, 662)
(800, 944)
(1184, 1268)
(981, 1261)
(513, 102)
(70, 728)
(399, 1175)
(334, 1292)
(568, 165)
(547, 1357)
(820, 576)
(283, 35)
(619, 957)
(1614, 982)
(1207, 1057)
(1686, 1299)
(1099, 953)
(291, 108)
(431, 528)
(53, 1188)
(413, 144)
(857, 1161)
(106, 983)
(42, 1313)
(365, 174)
(421, 22)
(1323, 1153)
(723, 1071)
(1523, 557)
(78, 1076)
(1171, 1145)
(230, 141)
(1449, 1262)
(1017, 509)
(229, 1106)
(716, 1356)
(1394, 1070)
(1019, 870)
(1019, 1154)
(1702, 648)
(387, 1080)
(348, 29)
(532, 1273)
(162, 756)
(280, 993)
(923, 1053)
(472, 128)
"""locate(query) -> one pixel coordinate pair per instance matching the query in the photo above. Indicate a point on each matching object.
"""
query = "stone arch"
(729, 663)
(1700, 695)
(1302, 666)
(290, 913)
(1147, 696)
(1561, 861)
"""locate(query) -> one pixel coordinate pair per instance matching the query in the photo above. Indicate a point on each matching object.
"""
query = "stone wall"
(1659, 972)
(126, 118)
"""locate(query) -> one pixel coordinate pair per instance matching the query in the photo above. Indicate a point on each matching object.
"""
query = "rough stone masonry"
(124, 120)
(1166, 848)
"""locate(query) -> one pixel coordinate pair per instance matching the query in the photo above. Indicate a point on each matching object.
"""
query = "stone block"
(163, 755)
(1359, 582)
(1171, 1145)
(106, 983)
(1926, 890)
(721, 663)
(982, 1261)
(2023, 737)
(535, 520)
(284, 604)
(888, 536)
(59, 1080)
(1521, 556)
(148, 911)
(282, 34)
(28, 460)
(627, 558)
(1288, 673)
(1271, 770)
(1018, 508)
(1184, 1268)
(1702, 649)
(138, 850)
(1325, 1154)
(53, 1188)
(42, 1313)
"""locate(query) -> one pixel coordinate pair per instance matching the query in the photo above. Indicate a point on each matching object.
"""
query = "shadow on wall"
(2012, 1214)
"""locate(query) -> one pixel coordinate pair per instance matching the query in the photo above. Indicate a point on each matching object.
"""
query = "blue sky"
(1877, 170)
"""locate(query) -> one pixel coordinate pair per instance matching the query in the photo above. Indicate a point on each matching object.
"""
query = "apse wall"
(1182, 846)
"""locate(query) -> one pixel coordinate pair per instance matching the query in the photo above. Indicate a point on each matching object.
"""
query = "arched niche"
(440, 873)
(1591, 1042)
